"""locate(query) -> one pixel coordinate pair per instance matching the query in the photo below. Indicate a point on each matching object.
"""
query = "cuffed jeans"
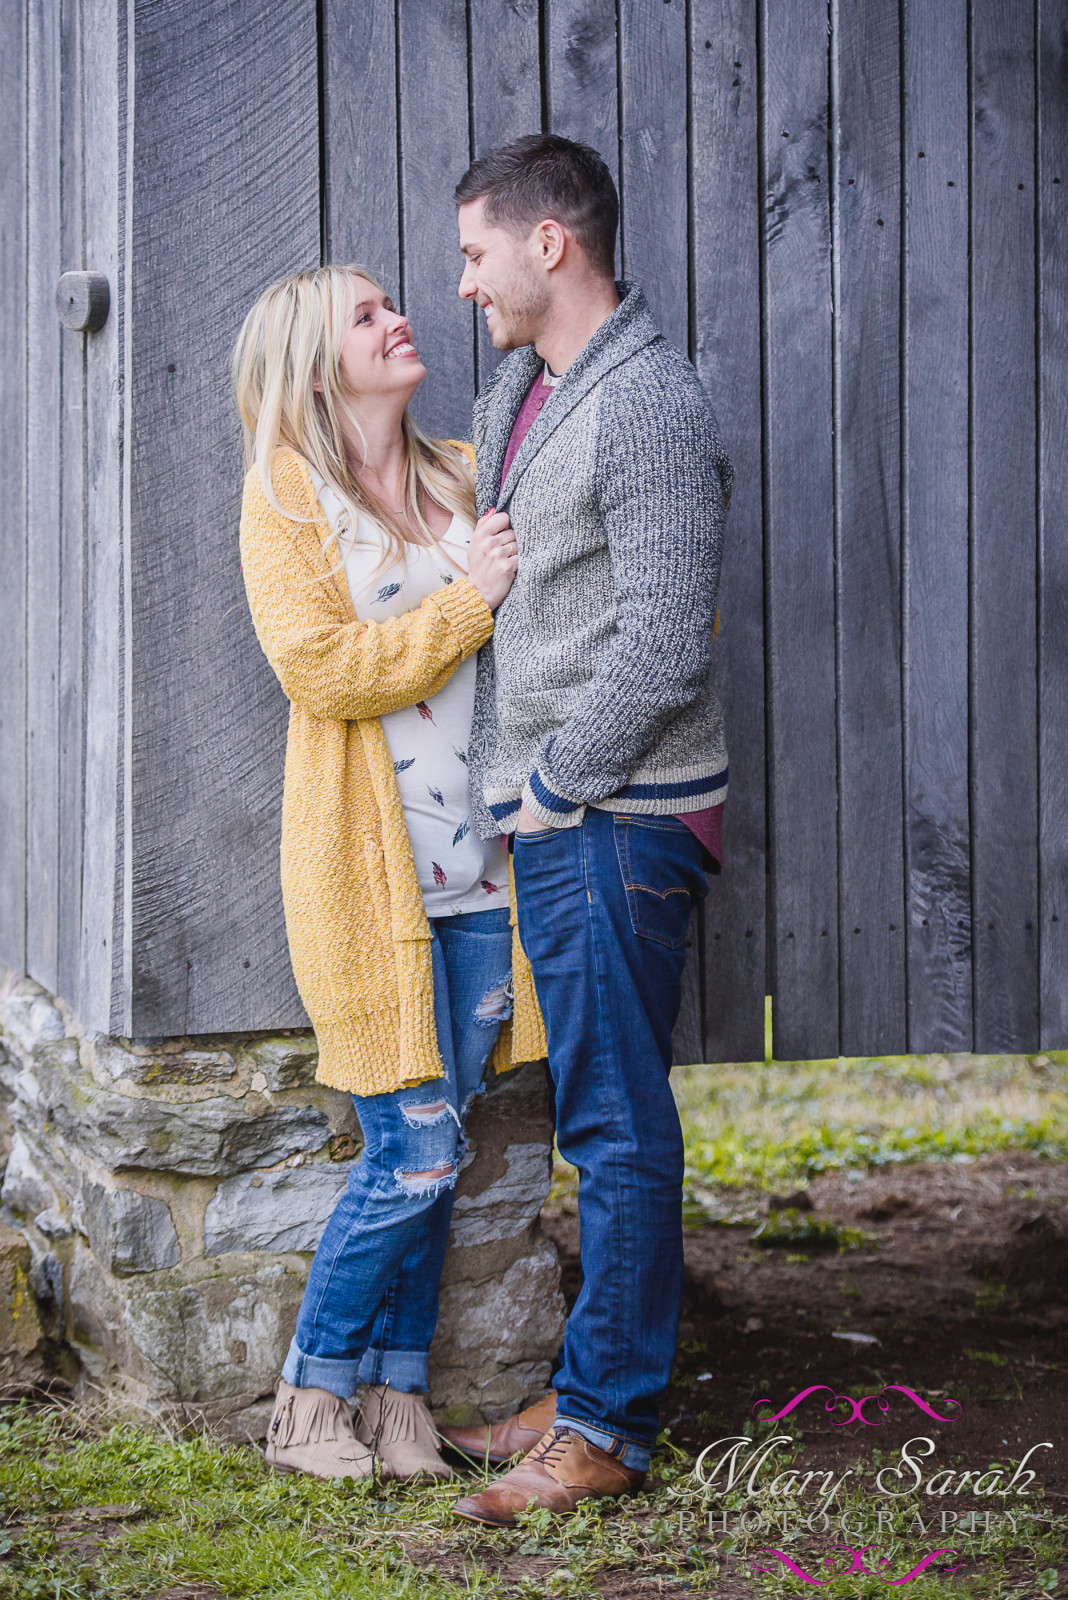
(371, 1301)
(604, 910)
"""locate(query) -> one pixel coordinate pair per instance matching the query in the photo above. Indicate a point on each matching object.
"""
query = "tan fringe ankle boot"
(311, 1430)
(401, 1432)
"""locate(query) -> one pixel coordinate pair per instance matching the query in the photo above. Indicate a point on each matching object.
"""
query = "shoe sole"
(424, 1475)
(512, 1521)
(300, 1472)
(481, 1516)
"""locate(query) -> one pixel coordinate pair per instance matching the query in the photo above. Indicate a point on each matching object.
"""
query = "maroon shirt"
(707, 825)
(537, 395)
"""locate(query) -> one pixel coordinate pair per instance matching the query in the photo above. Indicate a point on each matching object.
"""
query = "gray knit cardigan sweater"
(595, 688)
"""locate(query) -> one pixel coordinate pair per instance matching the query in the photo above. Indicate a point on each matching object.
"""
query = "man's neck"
(572, 324)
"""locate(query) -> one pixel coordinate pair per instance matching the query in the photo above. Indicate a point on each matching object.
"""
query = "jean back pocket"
(660, 860)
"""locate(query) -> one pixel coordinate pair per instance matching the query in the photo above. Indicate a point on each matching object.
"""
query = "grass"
(763, 1127)
(112, 1512)
(760, 1127)
(790, 1227)
(94, 1509)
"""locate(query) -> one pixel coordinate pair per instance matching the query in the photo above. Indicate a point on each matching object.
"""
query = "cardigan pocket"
(376, 888)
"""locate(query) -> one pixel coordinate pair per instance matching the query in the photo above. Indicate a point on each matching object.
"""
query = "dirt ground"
(957, 1279)
(963, 1285)
(964, 1256)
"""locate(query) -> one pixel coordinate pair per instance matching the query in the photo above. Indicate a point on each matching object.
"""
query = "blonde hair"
(287, 384)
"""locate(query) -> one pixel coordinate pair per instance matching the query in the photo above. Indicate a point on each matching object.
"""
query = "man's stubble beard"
(517, 319)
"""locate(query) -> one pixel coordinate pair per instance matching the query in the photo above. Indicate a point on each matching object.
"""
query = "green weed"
(790, 1227)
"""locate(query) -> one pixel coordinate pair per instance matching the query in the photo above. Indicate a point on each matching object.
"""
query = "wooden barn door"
(61, 198)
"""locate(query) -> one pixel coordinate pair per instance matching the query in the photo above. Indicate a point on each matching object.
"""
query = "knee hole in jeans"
(430, 1182)
(429, 1115)
(496, 1003)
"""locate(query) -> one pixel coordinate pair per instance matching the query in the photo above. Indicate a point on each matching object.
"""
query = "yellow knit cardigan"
(358, 935)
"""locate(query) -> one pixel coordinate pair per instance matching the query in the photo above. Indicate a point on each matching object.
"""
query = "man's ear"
(550, 239)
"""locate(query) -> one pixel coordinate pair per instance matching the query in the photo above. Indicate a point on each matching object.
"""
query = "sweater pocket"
(535, 712)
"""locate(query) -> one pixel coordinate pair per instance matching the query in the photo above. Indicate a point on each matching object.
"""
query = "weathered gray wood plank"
(867, 323)
(71, 575)
(226, 198)
(799, 523)
(1004, 752)
(435, 153)
(654, 159)
(360, 179)
(935, 526)
(688, 1034)
(726, 337)
(13, 523)
(1053, 520)
(505, 98)
(43, 495)
(582, 85)
(105, 129)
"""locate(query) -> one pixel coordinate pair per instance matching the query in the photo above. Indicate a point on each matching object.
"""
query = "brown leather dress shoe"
(505, 1439)
(562, 1469)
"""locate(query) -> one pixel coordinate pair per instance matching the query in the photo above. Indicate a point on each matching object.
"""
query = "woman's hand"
(492, 557)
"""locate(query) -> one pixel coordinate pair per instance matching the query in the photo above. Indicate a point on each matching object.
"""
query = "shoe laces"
(552, 1448)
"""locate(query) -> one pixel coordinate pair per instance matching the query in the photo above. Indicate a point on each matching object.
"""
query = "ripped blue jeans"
(371, 1301)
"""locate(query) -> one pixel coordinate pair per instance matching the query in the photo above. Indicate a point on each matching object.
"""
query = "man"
(598, 740)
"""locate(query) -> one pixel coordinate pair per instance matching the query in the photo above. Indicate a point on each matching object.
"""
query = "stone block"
(221, 1336)
(202, 1138)
(20, 1325)
(496, 1338)
(159, 1069)
(201, 1348)
(30, 1019)
(25, 1188)
(245, 1424)
(53, 1225)
(286, 1063)
(23, 1348)
(129, 1232)
(279, 1211)
(510, 1203)
(97, 1326)
(8, 1074)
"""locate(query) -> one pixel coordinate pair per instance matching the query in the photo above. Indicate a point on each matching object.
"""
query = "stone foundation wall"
(167, 1196)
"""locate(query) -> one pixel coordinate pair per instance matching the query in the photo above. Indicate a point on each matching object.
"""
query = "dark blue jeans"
(604, 910)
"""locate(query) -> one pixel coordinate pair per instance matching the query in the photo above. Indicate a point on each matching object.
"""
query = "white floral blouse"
(458, 871)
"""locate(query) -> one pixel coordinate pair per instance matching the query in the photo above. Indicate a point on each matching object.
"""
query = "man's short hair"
(546, 175)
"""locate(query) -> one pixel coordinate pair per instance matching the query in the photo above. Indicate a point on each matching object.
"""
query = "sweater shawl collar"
(628, 329)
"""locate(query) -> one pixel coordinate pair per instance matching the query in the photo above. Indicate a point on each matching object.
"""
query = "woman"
(371, 591)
